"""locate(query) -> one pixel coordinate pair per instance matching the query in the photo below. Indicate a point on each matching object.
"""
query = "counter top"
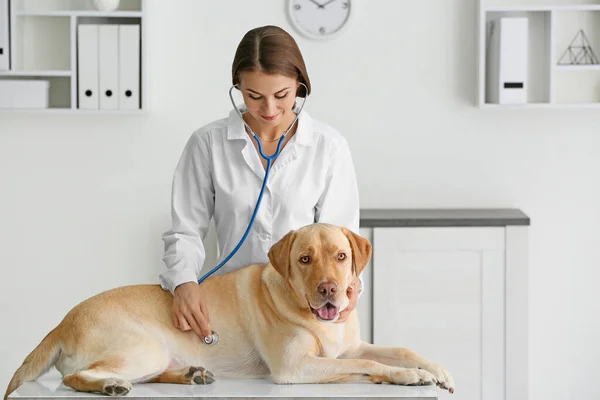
(50, 386)
(376, 218)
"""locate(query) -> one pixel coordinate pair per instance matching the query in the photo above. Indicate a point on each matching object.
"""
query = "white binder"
(4, 35)
(129, 67)
(108, 53)
(508, 61)
(87, 66)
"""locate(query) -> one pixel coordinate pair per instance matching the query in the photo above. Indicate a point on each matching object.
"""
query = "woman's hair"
(271, 50)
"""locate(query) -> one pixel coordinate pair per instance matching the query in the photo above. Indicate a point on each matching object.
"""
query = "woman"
(220, 175)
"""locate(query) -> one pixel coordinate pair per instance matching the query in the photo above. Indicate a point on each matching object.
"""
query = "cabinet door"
(364, 306)
(440, 293)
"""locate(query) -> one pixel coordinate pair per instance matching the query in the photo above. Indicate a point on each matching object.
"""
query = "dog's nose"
(327, 288)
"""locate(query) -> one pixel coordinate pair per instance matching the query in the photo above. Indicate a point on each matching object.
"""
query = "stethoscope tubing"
(214, 338)
(269, 160)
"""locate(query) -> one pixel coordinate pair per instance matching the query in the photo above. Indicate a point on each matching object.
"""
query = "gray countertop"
(374, 218)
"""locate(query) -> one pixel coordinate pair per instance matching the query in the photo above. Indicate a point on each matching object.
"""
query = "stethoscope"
(214, 338)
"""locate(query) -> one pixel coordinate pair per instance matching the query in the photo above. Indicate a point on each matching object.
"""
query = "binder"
(129, 67)
(108, 57)
(508, 61)
(87, 62)
(4, 35)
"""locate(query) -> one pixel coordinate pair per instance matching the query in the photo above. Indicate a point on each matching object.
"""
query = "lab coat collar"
(304, 132)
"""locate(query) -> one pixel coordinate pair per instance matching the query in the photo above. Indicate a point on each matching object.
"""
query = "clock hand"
(327, 2)
(318, 4)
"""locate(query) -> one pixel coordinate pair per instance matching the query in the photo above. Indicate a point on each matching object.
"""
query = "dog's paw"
(116, 387)
(412, 377)
(441, 374)
(200, 376)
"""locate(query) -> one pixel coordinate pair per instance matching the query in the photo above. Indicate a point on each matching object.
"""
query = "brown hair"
(272, 50)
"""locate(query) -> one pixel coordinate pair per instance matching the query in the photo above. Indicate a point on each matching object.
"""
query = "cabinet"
(563, 53)
(453, 290)
(46, 62)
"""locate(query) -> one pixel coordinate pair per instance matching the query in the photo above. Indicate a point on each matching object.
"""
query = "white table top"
(50, 386)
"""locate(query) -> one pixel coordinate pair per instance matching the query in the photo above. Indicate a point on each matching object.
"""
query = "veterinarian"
(220, 174)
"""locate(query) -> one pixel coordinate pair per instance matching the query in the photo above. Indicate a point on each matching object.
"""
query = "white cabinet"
(45, 44)
(456, 295)
(562, 66)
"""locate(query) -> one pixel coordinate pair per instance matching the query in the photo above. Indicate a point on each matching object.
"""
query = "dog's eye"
(305, 259)
(341, 257)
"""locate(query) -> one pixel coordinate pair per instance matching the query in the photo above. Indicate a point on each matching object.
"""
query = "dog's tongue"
(328, 311)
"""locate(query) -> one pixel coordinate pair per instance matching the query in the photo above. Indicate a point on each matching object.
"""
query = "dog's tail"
(37, 363)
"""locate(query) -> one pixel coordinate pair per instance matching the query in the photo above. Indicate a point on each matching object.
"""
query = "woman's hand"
(189, 309)
(352, 293)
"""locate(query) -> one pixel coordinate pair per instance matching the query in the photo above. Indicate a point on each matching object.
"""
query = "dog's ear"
(279, 254)
(361, 250)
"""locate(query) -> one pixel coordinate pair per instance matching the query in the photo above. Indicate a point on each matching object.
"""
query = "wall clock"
(319, 19)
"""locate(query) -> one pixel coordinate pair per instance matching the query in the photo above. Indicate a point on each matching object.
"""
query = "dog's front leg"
(401, 357)
(313, 369)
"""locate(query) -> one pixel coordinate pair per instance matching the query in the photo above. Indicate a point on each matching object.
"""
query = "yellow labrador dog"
(274, 321)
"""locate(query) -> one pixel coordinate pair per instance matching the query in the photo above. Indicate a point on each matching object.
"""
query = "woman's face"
(268, 98)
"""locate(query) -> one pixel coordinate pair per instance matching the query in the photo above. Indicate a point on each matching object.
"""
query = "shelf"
(45, 44)
(537, 5)
(92, 14)
(552, 28)
(70, 5)
(59, 95)
(539, 56)
(576, 83)
(41, 43)
(577, 87)
(40, 73)
(71, 111)
(529, 106)
(582, 67)
(534, 8)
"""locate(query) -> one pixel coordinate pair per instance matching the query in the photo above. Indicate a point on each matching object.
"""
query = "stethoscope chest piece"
(212, 339)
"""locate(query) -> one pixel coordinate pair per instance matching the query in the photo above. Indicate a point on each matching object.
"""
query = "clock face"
(321, 19)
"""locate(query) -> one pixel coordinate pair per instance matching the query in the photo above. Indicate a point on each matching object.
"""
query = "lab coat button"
(264, 236)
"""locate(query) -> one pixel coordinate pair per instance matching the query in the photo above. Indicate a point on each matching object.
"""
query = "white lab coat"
(219, 175)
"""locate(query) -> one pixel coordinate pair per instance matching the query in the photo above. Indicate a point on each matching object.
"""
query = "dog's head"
(320, 261)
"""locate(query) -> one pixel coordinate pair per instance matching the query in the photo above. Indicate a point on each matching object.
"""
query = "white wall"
(85, 198)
